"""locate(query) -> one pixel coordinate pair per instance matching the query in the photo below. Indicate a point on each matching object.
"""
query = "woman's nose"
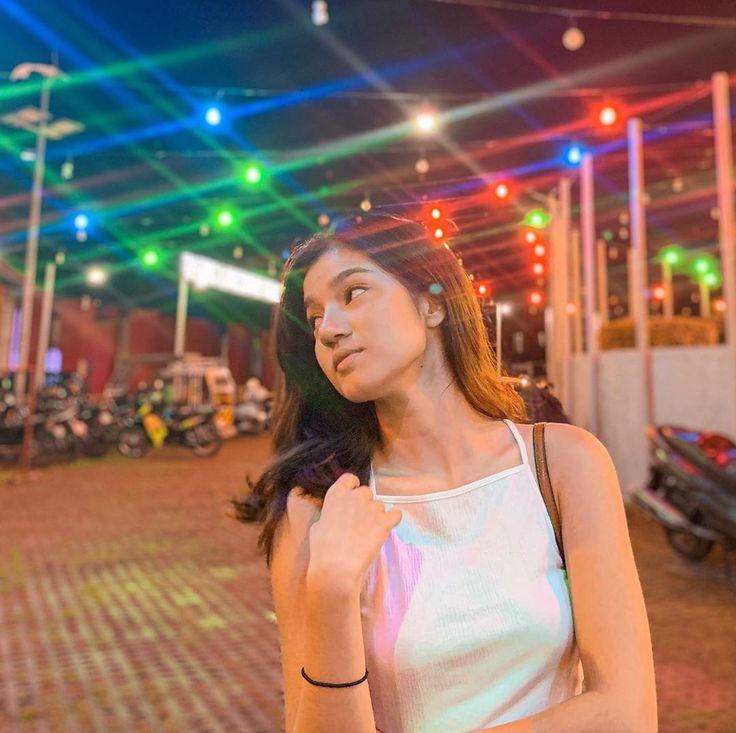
(332, 326)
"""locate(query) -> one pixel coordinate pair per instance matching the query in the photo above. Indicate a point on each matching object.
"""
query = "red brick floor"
(130, 602)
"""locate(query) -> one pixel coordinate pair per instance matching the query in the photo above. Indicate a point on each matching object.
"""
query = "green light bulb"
(671, 255)
(537, 218)
(253, 174)
(225, 218)
(711, 279)
(150, 258)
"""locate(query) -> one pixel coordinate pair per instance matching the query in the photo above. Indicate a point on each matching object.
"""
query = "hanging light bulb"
(608, 115)
(365, 204)
(67, 170)
(320, 12)
(213, 116)
(573, 38)
(426, 120)
(422, 166)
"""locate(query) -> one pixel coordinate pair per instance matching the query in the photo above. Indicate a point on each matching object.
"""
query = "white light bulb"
(320, 12)
(426, 122)
(422, 166)
(573, 38)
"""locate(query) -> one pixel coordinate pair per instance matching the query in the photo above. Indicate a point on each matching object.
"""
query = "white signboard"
(204, 272)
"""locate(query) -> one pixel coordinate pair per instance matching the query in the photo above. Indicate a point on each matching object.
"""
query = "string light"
(501, 191)
(213, 116)
(225, 218)
(67, 170)
(95, 276)
(422, 166)
(320, 12)
(573, 38)
(574, 155)
(608, 116)
(426, 121)
(701, 21)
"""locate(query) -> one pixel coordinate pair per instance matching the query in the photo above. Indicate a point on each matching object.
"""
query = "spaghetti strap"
(519, 441)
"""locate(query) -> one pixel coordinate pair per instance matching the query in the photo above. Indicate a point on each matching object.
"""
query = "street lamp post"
(36, 121)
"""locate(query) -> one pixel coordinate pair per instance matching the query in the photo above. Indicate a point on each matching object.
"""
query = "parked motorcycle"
(147, 428)
(253, 414)
(691, 490)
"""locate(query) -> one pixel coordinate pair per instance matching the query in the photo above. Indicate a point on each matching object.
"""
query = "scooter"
(691, 490)
(148, 428)
(252, 416)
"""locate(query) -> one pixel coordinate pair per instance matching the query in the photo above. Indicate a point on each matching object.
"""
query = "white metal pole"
(630, 280)
(499, 337)
(180, 328)
(602, 254)
(562, 264)
(587, 226)
(640, 261)
(552, 342)
(577, 290)
(724, 174)
(44, 331)
(34, 224)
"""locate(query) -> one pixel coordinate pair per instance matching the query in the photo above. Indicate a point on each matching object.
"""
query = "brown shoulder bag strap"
(545, 486)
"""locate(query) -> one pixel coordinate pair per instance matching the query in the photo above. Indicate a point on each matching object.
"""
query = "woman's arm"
(334, 652)
(320, 630)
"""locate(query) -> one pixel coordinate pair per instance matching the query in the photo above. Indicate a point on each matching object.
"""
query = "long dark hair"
(317, 433)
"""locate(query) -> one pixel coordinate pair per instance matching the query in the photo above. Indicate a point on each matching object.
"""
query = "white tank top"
(466, 615)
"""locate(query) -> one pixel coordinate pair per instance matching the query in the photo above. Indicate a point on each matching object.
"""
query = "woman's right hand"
(348, 535)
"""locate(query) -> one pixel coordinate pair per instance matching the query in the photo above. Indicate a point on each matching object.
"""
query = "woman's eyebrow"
(338, 279)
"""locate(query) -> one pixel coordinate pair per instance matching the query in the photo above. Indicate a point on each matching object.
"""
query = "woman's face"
(353, 305)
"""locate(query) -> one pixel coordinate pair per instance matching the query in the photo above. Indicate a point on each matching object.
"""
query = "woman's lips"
(347, 362)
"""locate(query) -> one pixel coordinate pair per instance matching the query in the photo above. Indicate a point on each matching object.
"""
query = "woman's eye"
(355, 287)
(311, 321)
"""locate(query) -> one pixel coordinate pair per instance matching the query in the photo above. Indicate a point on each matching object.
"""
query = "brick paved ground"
(130, 602)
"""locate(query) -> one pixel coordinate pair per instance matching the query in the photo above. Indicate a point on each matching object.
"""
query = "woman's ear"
(433, 311)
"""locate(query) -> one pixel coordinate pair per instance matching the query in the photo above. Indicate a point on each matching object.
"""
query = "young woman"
(416, 579)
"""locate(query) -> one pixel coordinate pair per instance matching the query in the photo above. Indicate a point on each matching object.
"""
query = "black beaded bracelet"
(334, 684)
